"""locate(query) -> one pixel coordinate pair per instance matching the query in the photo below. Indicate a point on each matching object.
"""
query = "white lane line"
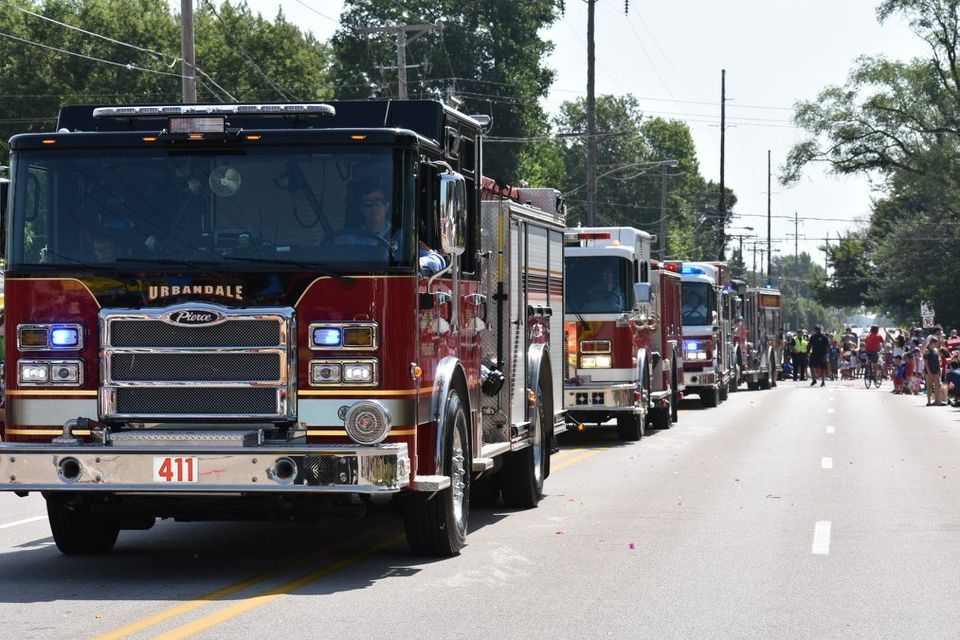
(826, 463)
(17, 523)
(830, 411)
(831, 429)
(821, 538)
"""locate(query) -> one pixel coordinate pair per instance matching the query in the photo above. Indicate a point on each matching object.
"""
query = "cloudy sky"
(670, 56)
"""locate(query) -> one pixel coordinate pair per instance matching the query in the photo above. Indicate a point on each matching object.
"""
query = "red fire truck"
(259, 311)
(622, 340)
(709, 365)
(759, 350)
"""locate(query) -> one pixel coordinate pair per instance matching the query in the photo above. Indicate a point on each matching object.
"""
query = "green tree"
(498, 71)
(242, 56)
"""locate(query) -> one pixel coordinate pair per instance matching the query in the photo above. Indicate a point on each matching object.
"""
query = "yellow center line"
(223, 592)
(583, 456)
(254, 602)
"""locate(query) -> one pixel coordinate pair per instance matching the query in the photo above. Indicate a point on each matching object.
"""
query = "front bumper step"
(344, 468)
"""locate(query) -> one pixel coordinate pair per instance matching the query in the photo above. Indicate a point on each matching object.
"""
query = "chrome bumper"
(318, 469)
(606, 397)
(699, 378)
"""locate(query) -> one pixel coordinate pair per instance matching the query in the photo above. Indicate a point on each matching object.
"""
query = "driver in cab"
(694, 308)
(375, 209)
(607, 290)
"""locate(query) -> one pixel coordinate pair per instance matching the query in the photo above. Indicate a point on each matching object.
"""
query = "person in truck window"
(607, 290)
(104, 250)
(374, 207)
(694, 308)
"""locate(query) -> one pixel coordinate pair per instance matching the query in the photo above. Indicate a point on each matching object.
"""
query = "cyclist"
(871, 346)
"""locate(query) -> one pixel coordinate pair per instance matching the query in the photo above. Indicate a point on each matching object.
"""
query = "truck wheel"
(708, 398)
(765, 380)
(77, 532)
(723, 392)
(485, 492)
(660, 417)
(436, 523)
(523, 471)
(752, 386)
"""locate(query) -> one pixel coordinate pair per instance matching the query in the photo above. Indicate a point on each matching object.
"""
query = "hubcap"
(457, 472)
(538, 446)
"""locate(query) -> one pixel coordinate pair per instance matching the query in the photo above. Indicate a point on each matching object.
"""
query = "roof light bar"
(213, 109)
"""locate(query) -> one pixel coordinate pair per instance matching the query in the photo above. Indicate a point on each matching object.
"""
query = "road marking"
(17, 523)
(826, 463)
(830, 411)
(219, 594)
(219, 617)
(821, 538)
(583, 456)
(831, 429)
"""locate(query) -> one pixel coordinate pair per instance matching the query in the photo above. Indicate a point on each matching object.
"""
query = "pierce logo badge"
(194, 317)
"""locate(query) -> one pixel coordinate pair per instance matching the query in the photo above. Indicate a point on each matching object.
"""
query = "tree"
(898, 121)
(242, 56)
(494, 70)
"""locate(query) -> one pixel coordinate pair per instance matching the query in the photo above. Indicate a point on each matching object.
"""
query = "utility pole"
(591, 118)
(754, 269)
(769, 248)
(401, 32)
(796, 264)
(188, 70)
(723, 135)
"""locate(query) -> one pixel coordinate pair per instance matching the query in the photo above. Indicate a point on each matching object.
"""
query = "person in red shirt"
(872, 344)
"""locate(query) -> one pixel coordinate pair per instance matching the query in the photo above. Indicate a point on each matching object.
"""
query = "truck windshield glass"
(265, 208)
(598, 284)
(698, 303)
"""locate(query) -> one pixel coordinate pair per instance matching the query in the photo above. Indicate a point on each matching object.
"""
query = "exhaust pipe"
(69, 470)
(284, 470)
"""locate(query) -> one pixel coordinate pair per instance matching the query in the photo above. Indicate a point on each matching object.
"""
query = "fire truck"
(623, 331)
(272, 311)
(709, 363)
(758, 352)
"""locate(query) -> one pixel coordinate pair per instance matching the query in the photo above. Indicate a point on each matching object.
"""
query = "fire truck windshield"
(598, 284)
(270, 208)
(698, 303)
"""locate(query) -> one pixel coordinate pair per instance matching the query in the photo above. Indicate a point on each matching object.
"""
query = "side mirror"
(642, 293)
(452, 201)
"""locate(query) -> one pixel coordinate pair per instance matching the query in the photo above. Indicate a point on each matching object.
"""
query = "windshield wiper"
(573, 308)
(319, 267)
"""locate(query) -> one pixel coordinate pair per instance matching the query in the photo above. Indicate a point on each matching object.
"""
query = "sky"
(670, 55)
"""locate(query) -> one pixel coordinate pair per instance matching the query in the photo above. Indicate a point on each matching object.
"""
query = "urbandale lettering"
(232, 291)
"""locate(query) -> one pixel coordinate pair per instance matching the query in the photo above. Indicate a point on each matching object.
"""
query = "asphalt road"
(792, 513)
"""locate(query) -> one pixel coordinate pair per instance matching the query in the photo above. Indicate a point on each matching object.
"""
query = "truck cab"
(707, 331)
(621, 358)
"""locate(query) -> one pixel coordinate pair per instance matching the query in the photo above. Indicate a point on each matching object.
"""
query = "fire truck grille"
(232, 333)
(196, 401)
(239, 368)
(196, 367)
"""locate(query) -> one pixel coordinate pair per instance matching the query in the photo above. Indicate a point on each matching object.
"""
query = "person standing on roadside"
(800, 355)
(819, 348)
(931, 367)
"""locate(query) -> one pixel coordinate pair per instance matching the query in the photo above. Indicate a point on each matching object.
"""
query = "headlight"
(595, 362)
(50, 372)
(594, 346)
(358, 372)
(34, 373)
(324, 372)
(367, 422)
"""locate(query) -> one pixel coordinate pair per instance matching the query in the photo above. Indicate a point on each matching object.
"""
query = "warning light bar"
(672, 266)
(213, 110)
(594, 235)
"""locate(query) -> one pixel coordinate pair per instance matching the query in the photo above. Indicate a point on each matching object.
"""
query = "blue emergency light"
(327, 337)
(64, 337)
(693, 346)
(686, 269)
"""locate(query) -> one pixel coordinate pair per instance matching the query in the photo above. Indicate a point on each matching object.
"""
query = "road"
(792, 513)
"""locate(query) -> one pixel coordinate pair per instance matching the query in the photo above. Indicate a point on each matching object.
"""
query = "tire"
(630, 427)
(723, 392)
(660, 418)
(866, 378)
(752, 386)
(77, 532)
(524, 471)
(764, 382)
(436, 523)
(708, 398)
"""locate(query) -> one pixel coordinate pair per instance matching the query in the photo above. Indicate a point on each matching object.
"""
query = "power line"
(316, 11)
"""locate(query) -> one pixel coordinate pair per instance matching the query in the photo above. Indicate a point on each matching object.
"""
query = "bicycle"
(872, 373)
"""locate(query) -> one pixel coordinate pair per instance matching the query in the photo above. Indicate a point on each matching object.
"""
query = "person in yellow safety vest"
(800, 355)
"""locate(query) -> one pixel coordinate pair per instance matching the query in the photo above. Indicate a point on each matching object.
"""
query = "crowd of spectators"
(916, 362)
